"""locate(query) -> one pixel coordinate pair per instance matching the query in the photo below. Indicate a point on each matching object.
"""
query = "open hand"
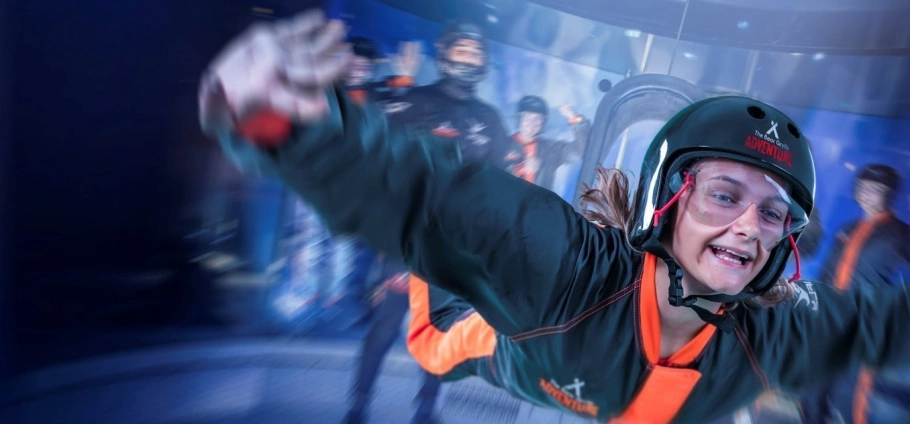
(284, 66)
(567, 111)
(407, 61)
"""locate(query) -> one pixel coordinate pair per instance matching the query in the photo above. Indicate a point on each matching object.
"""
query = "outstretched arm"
(516, 252)
(828, 332)
(581, 128)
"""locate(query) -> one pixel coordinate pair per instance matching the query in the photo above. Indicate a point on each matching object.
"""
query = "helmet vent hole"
(756, 112)
(793, 130)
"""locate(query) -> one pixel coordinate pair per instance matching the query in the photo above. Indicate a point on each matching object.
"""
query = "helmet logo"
(769, 147)
(773, 129)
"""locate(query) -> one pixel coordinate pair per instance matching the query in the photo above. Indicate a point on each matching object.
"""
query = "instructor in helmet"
(450, 108)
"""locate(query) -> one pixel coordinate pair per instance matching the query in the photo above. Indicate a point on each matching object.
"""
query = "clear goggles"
(724, 194)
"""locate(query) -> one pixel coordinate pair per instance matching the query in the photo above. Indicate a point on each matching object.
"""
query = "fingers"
(405, 49)
(321, 43)
(259, 67)
(301, 27)
(239, 54)
(303, 107)
(567, 111)
(322, 71)
(312, 110)
(331, 36)
(413, 48)
(283, 99)
(297, 31)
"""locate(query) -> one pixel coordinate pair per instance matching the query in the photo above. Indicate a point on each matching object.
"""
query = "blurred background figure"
(327, 283)
(448, 108)
(872, 250)
(362, 83)
(539, 157)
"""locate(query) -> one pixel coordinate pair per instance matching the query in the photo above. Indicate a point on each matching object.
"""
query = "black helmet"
(883, 174)
(364, 47)
(458, 30)
(729, 127)
(533, 104)
(462, 73)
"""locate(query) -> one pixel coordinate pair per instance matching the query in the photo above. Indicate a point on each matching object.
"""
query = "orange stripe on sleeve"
(439, 352)
(861, 396)
(844, 275)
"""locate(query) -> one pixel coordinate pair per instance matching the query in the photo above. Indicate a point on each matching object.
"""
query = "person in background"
(538, 157)
(361, 81)
(871, 251)
(450, 109)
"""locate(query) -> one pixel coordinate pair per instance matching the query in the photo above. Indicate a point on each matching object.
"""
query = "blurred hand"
(284, 66)
(407, 61)
(531, 165)
(567, 111)
(377, 296)
(399, 283)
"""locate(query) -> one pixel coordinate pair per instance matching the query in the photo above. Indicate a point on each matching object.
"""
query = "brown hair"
(608, 203)
(780, 292)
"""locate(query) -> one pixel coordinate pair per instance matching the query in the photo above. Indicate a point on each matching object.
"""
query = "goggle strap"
(690, 181)
(797, 275)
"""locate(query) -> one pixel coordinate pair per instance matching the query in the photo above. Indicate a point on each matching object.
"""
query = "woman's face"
(726, 225)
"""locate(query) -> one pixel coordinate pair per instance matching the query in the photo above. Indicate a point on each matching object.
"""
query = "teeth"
(731, 260)
(741, 257)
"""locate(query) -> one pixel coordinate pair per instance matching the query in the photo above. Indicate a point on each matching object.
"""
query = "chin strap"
(457, 89)
(724, 322)
(726, 298)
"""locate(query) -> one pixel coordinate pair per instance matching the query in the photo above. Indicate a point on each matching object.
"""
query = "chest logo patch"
(475, 134)
(804, 293)
(446, 130)
(570, 396)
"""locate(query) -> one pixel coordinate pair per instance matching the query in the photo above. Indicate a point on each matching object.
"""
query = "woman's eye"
(773, 215)
(724, 198)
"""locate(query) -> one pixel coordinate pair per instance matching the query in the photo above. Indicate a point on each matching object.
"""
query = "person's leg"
(384, 329)
(845, 397)
(815, 405)
(440, 325)
(446, 336)
(426, 398)
(362, 263)
(890, 399)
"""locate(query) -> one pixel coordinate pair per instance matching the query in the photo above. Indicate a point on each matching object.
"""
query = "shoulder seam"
(568, 325)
